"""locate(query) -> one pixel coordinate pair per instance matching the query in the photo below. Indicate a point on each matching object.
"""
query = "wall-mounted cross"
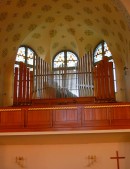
(117, 158)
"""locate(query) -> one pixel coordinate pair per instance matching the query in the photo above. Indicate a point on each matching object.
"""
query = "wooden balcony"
(74, 117)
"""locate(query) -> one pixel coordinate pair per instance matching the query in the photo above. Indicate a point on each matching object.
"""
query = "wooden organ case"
(104, 81)
(93, 84)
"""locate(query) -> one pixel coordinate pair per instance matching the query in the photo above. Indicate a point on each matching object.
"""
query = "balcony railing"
(65, 117)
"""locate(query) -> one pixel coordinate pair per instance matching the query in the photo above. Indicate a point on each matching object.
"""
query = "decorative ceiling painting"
(50, 26)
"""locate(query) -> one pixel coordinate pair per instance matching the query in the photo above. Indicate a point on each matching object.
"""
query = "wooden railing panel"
(65, 117)
(39, 117)
(95, 117)
(69, 117)
(120, 116)
(12, 118)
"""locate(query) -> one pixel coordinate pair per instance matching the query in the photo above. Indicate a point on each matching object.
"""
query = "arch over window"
(100, 51)
(65, 66)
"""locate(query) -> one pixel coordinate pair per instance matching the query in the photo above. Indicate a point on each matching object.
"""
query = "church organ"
(82, 82)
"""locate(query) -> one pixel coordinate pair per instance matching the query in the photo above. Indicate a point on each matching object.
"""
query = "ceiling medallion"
(67, 6)
(69, 18)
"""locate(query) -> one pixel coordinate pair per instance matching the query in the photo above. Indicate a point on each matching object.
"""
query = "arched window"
(100, 51)
(65, 59)
(27, 56)
(64, 67)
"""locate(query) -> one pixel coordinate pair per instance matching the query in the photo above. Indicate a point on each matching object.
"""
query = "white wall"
(64, 156)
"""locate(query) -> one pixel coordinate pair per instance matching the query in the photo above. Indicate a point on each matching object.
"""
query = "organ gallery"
(64, 84)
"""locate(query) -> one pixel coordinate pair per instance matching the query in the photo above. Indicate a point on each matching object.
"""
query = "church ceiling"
(52, 25)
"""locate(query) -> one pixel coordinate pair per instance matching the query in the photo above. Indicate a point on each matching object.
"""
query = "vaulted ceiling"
(52, 25)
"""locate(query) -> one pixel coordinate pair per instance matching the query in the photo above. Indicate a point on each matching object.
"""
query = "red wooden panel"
(64, 101)
(15, 86)
(95, 117)
(103, 81)
(31, 85)
(120, 115)
(111, 80)
(20, 94)
(69, 117)
(12, 118)
(24, 83)
(82, 117)
(27, 87)
(39, 117)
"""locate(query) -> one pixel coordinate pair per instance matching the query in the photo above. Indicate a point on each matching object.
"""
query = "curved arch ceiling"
(52, 25)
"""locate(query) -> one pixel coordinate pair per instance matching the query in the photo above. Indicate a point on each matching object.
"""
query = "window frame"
(65, 60)
(26, 53)
(103, 52)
